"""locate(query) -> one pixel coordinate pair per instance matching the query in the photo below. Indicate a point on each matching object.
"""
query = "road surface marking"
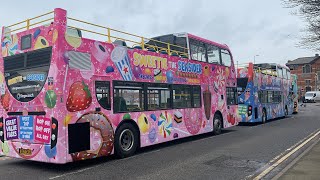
(270, 168)
(85, 169)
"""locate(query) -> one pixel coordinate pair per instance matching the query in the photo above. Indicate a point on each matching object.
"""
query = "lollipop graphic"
(165, 124)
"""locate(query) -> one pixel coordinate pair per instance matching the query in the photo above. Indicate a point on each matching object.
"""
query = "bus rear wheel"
(126, 140)
(264, 116)
(217, 124)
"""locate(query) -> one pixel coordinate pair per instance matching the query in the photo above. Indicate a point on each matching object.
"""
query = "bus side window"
(226, 57)
(103, 94)
(197, 50)
(213, 54)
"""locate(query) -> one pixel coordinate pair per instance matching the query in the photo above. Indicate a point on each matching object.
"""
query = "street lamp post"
(254, 58)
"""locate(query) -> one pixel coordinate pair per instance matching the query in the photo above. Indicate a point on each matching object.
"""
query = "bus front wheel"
(217, 124)
(126, 140)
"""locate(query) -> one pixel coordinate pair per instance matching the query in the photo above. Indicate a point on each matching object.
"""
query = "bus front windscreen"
(26, 73)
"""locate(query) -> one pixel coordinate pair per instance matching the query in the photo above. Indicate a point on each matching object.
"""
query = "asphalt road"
(237, 153)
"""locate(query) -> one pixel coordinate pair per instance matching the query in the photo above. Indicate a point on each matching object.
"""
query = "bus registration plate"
(26, 152)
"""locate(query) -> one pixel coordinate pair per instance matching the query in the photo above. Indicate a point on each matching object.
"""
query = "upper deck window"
(197, 50)
(213, 54)
(226, 57)
(280, 73)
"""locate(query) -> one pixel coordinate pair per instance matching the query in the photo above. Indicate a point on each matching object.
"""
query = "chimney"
(317, 55)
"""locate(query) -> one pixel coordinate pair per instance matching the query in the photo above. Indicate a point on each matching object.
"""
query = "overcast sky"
(248, 27)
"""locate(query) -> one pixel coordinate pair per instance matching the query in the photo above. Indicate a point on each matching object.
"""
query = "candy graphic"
(207, 103)
(143, 123)
(36, 33)
(156, 72)
(152, 135)
(9, 45)
(175, 135)
(66, 57)
(51, 153)
(79, 97)
(147, 71)
(5, 100)
(231, 119)
(165, 124)
(99, 52)
(41, 42)
(67, 119)
(227, 72)
(126, 116)
(178, 117)
(192, 122)
(169, 76)
(5, 148)
(50, 98)
(136, 71)
(153, 117)
(206, 70)
(87, 74)
(212, 68)
(55, 36)
(101, 132)
(109, 69)
(73, 41)
(119, 56)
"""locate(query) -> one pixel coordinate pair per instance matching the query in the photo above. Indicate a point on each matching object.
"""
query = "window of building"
(213, 54)
(306, 68)
(308, 82)
(103, 93)
(231, 96)
(226, 57)
(318, 74)
(181, 96)
(128, 96)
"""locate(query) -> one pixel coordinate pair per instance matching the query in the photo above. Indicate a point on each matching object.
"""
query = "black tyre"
(264, 116)
(126, 140)
(217, 124)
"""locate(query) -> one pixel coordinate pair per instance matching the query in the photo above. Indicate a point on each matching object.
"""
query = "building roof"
(304, 60)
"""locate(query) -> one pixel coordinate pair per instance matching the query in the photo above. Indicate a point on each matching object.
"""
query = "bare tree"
(310, 11)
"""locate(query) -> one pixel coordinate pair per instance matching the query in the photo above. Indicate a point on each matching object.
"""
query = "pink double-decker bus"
(65, 97)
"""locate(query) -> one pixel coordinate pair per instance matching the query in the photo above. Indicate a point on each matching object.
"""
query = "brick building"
(308, 71)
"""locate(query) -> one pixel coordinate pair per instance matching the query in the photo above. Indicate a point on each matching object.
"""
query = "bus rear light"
(249, 110)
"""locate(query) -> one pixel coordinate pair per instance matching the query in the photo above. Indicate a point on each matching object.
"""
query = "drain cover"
(235, 162)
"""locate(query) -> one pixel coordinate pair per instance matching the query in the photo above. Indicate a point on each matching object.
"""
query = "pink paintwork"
(70, 97)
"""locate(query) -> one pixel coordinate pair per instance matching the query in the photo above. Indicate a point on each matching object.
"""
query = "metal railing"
(108, 33)
(256, 69)
(140, 43)
(28, 23)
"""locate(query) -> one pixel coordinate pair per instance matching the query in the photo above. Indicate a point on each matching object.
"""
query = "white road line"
(270, 168)
(86, 169)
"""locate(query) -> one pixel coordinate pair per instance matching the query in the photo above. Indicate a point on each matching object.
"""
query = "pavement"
(240, 152)
(307, 167)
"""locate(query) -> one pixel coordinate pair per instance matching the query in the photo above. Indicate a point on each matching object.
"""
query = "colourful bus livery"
(264, 92)
(69, 98)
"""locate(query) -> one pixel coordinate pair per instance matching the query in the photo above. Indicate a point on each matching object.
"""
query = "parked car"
(312, 96)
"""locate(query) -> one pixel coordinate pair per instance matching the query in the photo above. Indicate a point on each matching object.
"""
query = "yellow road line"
(269, 169)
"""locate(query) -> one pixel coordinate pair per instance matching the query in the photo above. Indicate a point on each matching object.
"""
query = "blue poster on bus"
(26, 128)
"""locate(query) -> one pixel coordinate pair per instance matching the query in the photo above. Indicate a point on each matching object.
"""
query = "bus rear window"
(26, 73)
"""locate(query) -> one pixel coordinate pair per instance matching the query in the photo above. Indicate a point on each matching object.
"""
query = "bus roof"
(224, 46)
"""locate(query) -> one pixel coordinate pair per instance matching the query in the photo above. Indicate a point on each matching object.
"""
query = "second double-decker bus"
(294, 92)
(67, 98)
(263, 91)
